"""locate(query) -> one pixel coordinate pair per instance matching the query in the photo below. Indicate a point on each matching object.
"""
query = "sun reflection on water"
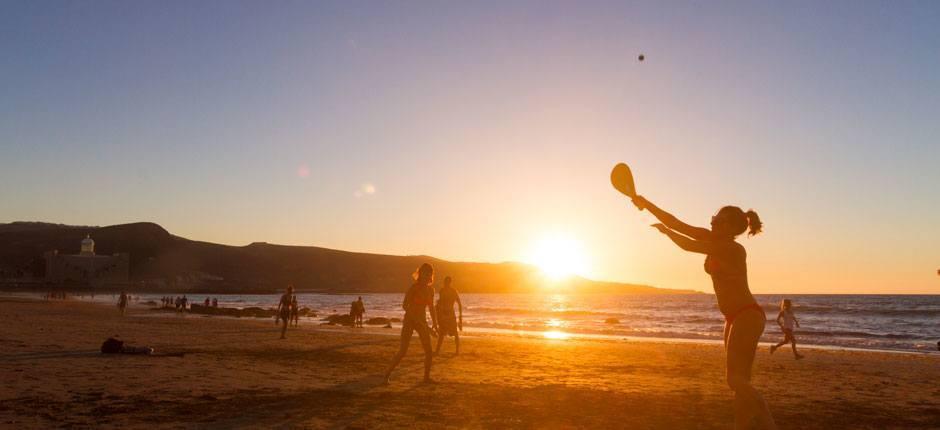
(556, 334)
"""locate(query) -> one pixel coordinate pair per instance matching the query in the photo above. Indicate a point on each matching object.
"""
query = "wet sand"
(237, 373)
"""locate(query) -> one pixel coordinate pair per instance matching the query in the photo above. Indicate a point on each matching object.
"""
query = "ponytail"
(753, 223)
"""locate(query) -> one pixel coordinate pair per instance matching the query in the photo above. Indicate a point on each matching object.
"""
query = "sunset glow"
(559, 257)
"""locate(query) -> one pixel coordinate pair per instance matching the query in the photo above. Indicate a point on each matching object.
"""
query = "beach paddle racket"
(622, 179)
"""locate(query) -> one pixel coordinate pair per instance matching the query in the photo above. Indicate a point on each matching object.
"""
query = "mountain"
(162, 261)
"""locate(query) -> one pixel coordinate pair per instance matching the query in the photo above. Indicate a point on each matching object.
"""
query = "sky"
(474, 131)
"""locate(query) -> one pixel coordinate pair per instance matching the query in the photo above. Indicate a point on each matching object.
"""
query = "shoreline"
(316, 323)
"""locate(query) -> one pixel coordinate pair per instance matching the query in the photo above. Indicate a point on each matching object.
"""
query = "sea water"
(886, 322)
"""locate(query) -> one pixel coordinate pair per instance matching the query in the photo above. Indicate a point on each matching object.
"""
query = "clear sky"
(471, 131)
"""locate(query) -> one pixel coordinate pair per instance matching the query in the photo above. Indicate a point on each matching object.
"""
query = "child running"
(786, 319)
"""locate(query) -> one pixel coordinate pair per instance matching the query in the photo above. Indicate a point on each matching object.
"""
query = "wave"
(859, 334)
(912, 313)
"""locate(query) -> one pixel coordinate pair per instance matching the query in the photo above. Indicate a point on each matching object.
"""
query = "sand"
(237, 373)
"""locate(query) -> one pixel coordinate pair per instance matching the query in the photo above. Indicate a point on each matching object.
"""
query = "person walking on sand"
(360, 311)
(786, 319)
(448, 322)
(726, 262)
(122, 303)
(418, 300)
(283, 310)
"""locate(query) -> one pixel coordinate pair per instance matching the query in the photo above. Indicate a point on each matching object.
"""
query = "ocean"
(882, 322)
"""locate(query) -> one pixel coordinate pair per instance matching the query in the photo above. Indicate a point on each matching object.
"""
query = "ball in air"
(641, 57)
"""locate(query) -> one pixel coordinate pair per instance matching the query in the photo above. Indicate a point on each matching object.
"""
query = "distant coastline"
(163, 262)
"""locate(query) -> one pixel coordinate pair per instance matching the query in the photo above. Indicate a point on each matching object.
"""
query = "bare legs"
(741, 344)
(787, 338)
(407, 328)
(284, 328)
(440, 341)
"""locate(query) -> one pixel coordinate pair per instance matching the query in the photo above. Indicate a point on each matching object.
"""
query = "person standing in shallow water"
(283, 310)
(446, 320)
(726, 262)
(418, 300)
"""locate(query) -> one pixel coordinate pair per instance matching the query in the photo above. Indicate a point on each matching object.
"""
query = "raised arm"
(684, 242)
(697, 233)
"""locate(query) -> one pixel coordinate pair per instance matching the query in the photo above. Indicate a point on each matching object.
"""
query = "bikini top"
(422, 295)
(717, 268)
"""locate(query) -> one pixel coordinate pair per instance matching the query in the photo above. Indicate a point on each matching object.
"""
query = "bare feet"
(772, 349)
(799, 357)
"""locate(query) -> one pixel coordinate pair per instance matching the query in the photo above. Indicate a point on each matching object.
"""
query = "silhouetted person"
(206, 302)
(786, 319)
(122, 303)
(726, 262)
(215, 302)
(360, 311)
(294, 310)
(418, 300)
(283, 310)
(446, 320)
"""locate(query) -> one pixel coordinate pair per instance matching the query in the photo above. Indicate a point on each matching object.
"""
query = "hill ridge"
(163, 261)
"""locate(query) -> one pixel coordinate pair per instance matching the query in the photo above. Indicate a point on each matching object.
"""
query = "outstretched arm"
(684, 242)
(697, 233)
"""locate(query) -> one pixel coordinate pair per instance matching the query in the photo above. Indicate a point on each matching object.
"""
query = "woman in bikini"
(726, 262)
(418, 300)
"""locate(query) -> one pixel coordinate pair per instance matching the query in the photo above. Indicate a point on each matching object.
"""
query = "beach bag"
(112, 346)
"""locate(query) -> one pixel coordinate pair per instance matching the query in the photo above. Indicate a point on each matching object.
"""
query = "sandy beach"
(237, 373)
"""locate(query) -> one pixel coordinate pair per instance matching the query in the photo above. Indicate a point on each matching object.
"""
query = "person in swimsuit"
(786, 319)
(283, 310)
(726, 262)
(447, 321)
(418, 300)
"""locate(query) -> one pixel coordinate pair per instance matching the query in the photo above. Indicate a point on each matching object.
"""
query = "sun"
(558, 256)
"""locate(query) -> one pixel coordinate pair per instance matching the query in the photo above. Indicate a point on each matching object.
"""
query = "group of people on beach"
(725, 263)
(55, 295)
(418, 302)
(179, 302)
